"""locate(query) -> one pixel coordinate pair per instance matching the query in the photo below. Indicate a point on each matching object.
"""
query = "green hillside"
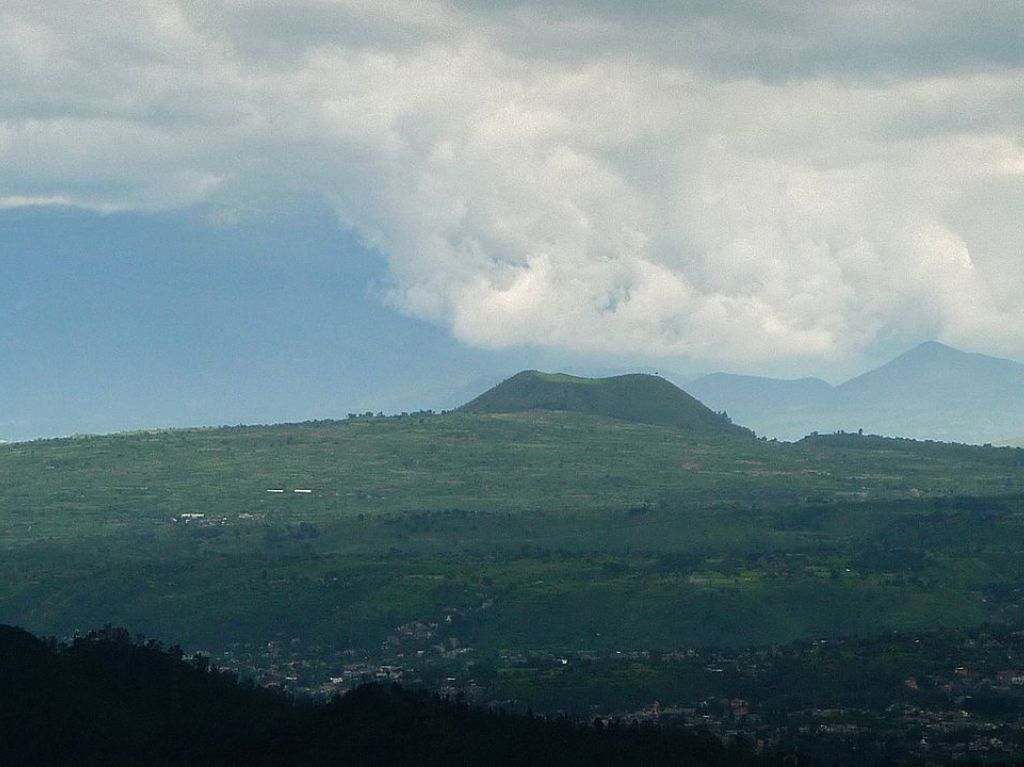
(637, 397)
(450, 545)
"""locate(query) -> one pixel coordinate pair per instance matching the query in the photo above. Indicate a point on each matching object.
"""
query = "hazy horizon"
(466, 389)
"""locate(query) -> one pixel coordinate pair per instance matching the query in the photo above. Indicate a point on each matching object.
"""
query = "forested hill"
(108, 700)
(637, 397)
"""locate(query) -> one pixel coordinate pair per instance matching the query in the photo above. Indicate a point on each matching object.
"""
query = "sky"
(254, 211)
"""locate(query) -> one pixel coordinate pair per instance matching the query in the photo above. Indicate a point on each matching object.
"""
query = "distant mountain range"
(931, 392)
(636, 397)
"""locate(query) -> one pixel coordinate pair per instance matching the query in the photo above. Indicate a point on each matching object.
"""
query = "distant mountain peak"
(638, 397)
(932, 347)
(933, 358)
(931, 350)
(932, 391)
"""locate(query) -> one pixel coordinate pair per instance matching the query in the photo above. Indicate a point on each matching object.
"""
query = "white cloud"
(14, 201)
(537, 177)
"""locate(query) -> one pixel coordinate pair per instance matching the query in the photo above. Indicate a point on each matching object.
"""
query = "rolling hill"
(550, 549)
(453, 545)
(577, 530)
(638, 397)
(933, 391)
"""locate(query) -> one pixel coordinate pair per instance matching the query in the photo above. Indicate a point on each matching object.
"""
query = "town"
(938, 696)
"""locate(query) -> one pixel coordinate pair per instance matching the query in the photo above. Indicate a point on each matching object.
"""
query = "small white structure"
(275, 491)
(302, 490)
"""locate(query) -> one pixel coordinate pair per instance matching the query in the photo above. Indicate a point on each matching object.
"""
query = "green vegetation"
(533, 531)
(637, 397)
(553, 558)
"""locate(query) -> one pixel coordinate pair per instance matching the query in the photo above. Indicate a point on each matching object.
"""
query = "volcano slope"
(637, 397)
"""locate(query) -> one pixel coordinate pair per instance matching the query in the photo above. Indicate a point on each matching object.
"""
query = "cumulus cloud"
(722, 181)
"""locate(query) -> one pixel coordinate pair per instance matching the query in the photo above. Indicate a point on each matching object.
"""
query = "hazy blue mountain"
(750, 400)
(930, 392)
(944, 374)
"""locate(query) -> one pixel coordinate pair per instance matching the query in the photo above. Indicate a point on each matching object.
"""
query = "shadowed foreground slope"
(108, 700)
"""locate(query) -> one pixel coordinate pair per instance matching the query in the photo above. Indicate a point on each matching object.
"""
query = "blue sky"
(216, 212)
(112, 322)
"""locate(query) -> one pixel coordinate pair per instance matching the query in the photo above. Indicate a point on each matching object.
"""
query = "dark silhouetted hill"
(109, 700)
(637, 397)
